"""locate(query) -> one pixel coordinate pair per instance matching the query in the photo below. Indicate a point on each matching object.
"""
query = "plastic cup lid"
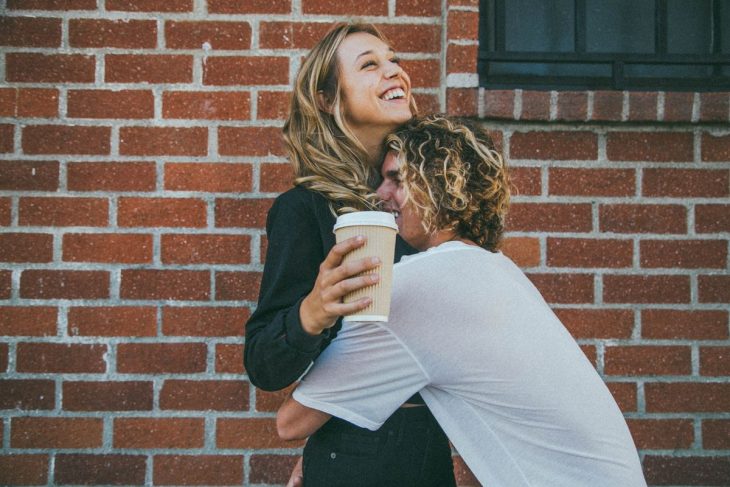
(363, 218)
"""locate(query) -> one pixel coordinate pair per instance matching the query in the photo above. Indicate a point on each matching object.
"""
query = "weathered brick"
(23, 469)
(564, 288)
(204, 321)
(27, 394)
(249, 6)
(4, 360)
(463, 24)
(526, 180)
(716, 434)
(228, 395)
(535, 105)
(688, 254)
(5, 284)
(568, 181)
(425, 73)
(272, 469)
(714, 289)
(715, 361)
(131, 104)
(624, 393)
(462, 102)
(670, 324)
(66, 139)
(424, 38)
(345, 7)
(686, 183)
(560, 145)
(597, 323)
(250, 433)
(587, 252)
(141, 68)
(52, 4)
(499, 104)
(607, 106)
(158, 141)
(5, 212)
(524, 251)
(63, 211)
(646, 289)
(111, 321)
(64, 284)
(29, 175)
(165, 284)
(237, 285)
(273, 105)
(463, 475)
(686, 470)
(460, 58)
(217, 35)
(53, 432)
(60, 358)
(276, 178)
(150, 5)
(7, 138)
(550, 217)
(26, 247)
(30, 32)
(685, 397)
(572, 106)
(648, 360)
(161, 358)
(28, 321)
(650, 146)
(198, 470)
(210, 105)
(246, 70)
(229, 359)
(626, 218)
(159, 432)
(714, 107)
(161, 212)
(715, 148)
(37, 102)
(8, 102)
(31, 67)
(418, 8)
(678, 106)
(107, 396)
(662, 434)
(246, 213)
(125, 33)
(111, 176)
(643, 106)
(208, 177)
(712, 218)
(95, 469)
(291, 35)
(107, 248)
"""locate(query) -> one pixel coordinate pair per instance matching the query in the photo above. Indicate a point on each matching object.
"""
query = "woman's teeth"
(394, 93)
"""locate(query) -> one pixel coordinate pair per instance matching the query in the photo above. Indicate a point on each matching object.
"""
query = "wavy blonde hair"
(324, 152)
(455, 177)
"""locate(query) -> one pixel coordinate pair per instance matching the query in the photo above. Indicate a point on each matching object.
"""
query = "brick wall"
(140, 151)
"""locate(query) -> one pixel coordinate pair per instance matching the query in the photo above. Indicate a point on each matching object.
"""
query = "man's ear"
(323, 103)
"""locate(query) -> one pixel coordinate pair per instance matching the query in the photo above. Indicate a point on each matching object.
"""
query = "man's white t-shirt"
(508, 384)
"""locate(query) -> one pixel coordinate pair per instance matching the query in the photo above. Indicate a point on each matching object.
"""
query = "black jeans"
(410, 449)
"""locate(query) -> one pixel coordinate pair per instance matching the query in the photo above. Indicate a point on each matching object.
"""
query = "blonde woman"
(516, 395)
(350, 94)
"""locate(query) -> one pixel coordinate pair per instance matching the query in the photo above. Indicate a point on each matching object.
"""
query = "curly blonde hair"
(455, 177)
(324, 153)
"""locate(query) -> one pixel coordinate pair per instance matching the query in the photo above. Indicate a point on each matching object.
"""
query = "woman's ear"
(323, 103)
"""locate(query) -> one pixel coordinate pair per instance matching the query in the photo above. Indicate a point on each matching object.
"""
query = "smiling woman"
(350, 94)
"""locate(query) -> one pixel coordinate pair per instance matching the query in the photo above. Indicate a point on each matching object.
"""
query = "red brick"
(597, 323)
(291, 35)
(228, 395)
(112, 321)
(716, 434)
(526, 180)
(161, 358)
(28, 321)
(271, 469)
(715, 148)
(63, 211)
(588, 252)
(413, 37)
(218, 35)
(345, 7)
(607, 106)
(572, 106)
(464, 476)
(643, 106)
(206, 249)
(107, 396)
(7, 138)
(5, 350)
(688, 254)
(66, 139)
(687, 397)
(643, 218)
(237, 285)
(108, 248)
(271, 401)
(30, 32)
(712, 218)
(60, 358)
(273, 105)
(29, 175)
(38, 103)
(624, 393)
(462, 102)
(670, 324)
(159, 432)
(418, 8)
(246, 70)
(52, 4)
(535, 105)
(647, 360)
(204, 321)
(229, 359)
(254, 433)
(686, 470)
(499, 104)
(140, 68)
(524, 251)
(161, 212)
(64, 284)
(249, 6)
(678, 106)
(19, 469)
(89, 469)
(557, 144)
(715, 361)
(158, 141)
(646, 289)
(198, 470)
(564, 288)
(150, 5)
(5, 211)
(8, 102)
(26, 247)
(550, 217)
(683, 183)
(427, 103)
(125, 33)
(134, 104)
(650, 146)
(208, 177)
(568, 181)
(460, 58)
(276, 178)
(463, 25)
(34, 67)
(165, 284)
(424, 73)
(51, 432)
(714, 289)
(246, 213)
(27, 394)
(209, 105)
(714, 107)
(662, 434)
(111, 176)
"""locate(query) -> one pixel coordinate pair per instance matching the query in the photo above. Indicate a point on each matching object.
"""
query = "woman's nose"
(392, 69)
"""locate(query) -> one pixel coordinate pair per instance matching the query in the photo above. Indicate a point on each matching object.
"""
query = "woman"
(349, 95)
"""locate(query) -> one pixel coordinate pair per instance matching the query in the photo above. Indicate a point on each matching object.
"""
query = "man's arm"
(295, 421)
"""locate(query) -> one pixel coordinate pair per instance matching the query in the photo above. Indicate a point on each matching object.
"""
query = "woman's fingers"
(346, 286)
(338, 252)
(350, 269)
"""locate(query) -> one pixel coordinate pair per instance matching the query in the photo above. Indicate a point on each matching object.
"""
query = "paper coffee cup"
(380, 230)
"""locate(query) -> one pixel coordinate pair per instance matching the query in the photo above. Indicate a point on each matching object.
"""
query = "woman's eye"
(368, 64)
(395, 60)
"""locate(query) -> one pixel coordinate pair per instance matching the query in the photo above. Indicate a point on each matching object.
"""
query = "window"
(605, 44)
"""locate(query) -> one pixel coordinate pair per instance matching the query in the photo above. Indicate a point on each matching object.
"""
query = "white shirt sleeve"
(363, 376)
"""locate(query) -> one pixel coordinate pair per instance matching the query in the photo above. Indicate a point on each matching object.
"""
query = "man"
(503, 377)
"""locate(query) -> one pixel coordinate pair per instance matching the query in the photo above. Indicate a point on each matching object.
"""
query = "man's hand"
(297, 475)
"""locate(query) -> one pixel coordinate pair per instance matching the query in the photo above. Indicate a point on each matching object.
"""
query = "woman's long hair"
(324, 152)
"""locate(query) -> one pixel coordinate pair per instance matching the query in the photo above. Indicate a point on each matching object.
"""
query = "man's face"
(393, 195)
